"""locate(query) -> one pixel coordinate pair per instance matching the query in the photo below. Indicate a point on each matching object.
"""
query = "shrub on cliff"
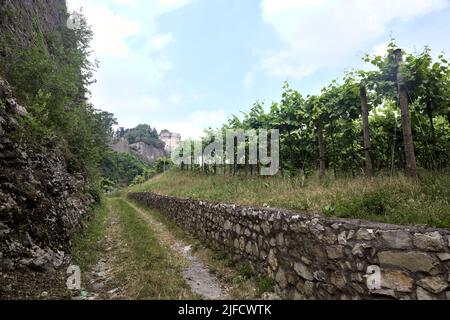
(50, 76)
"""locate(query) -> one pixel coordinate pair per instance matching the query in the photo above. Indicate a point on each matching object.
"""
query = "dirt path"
(100, 282)
(196, 274)
(136, 256)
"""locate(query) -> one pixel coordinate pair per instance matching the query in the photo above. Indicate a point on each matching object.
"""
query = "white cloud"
(111, 30)
(173, 4)
(249, 79)
(133, 60)
(193, 126)
(176, 98)
(161, 41)
(318, 33)
(150, 104)
(380, 49)
(127, 3)
(285, 64)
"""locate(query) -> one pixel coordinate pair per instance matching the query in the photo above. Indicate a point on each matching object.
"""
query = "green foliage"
(107, 185)
(245, 270)
(337, 112)
(85, 244)
(329, 210)
(8, 12)
(147, 175)
(123, 169)
(142, 133)
(50, 76)
(373, 203)
(265, 284)
(162, 165)
(386, 199)
(151, 267)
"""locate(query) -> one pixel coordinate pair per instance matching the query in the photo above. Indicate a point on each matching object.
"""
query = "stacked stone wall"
(313, 257)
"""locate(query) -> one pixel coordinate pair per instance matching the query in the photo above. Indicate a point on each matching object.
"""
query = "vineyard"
(394, 117)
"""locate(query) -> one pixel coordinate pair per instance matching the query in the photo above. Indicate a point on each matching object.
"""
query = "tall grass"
(85, 244)
(396, 200)
(149, 267)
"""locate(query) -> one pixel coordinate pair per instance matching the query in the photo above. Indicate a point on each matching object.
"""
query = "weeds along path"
(147, 266)
(100, 263)
(129, 252)
(195, 273)
(132, 252)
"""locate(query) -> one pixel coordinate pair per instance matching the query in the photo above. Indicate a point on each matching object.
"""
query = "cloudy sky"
(185, 65)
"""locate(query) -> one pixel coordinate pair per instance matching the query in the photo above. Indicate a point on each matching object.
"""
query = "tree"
(144, 133)
(366, 130)
(318, 116)
(354, 123)
(428, 83)
(411, 166)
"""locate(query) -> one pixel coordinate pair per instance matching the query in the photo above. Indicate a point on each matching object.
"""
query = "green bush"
(264, 285)
(246, 270)
(144, 133)
(51, 76)
(123, 169)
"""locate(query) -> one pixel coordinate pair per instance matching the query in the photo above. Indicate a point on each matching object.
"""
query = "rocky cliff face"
(40, 202)
(18, 17)
(144, 151)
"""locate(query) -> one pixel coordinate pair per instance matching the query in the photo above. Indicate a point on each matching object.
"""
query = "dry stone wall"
(313, 257)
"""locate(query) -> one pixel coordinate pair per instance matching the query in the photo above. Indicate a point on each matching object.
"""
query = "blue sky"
(185, 65)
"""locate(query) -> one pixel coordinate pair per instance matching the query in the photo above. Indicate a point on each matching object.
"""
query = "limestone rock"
(330, 238)
(397, 280)
(309, 288)
(435, 285)
(336, 226)
(273, 260)
(365, 234)
(242, 243)
(424, 295)
(444, 256)
(342, 238)
(338, 280)
(395, 239)
(227, 226)
(270, 296)
(335, 252)
(385, 293)
(303, 271)
(280, 240)
(281, 279)
(359, 249)
(306, 261)
(320, 276)
(298, 296)
(267, 228)
(413, 261)
(429, 241)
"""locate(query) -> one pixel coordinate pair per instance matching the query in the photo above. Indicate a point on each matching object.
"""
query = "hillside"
(142, 141)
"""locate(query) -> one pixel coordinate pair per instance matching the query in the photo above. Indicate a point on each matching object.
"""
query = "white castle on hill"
(172, 140)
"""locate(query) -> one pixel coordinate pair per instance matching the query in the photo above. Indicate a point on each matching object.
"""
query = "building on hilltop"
(172, 140)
